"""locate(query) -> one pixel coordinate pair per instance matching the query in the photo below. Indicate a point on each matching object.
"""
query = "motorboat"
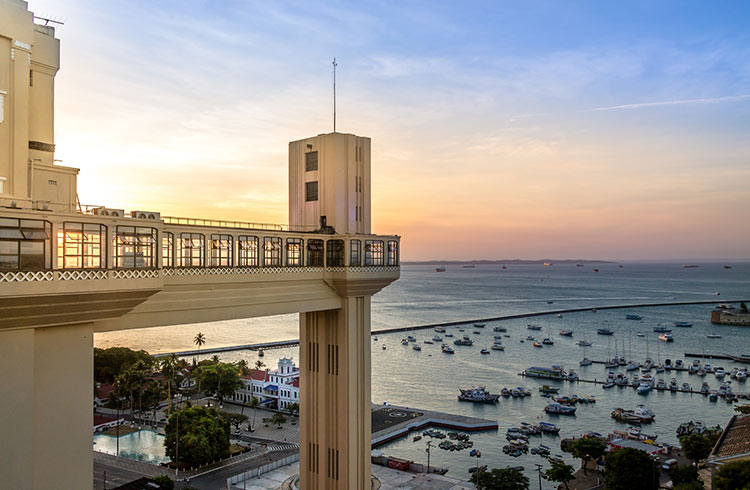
(476, 332)
(428, 341)
(384, 347)
(548, 428)
(478, 395)
(686, 387)
(533, 327)
(713, 335)
(411, 338)
(560, 409)
(440, 269)
(683, 324)
(666, 337)
(662, 329)
(673, 384)
(679, 364)
(660, 368)
(612, 363)
(661, 384)
(604, 331)
(447, 349)
(741, 374)
(417, 347)
(608, 384)
(566, 333)
(530, 338)
(440, 329)
(404, 342)
(633, 317)
(484, 351)
(437, 338)
(449, 335)
(497, 346)
(584, 343)
(548, 389)
(498, 337)
(464, 341)
(479, 325)
(719, 372)
(572, 375)
(499, 329)
(537, 344)
(640, 334)
(375, 339)
(705, 388)
(621, 379)
(643, 389)
(547, 341)
(585, 362)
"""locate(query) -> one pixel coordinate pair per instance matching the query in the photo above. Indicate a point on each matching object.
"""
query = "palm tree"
(259, 364)
(168, 367)
(215, 359)
(199, 340)
(244, 369)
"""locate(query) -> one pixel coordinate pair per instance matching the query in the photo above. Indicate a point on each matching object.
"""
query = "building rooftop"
(735, 440)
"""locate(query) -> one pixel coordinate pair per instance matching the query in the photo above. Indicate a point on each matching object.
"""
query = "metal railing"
(241, 225)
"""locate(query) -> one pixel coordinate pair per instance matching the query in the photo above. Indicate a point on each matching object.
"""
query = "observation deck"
(133, 270)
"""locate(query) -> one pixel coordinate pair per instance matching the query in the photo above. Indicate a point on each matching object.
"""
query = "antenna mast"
(334, 94)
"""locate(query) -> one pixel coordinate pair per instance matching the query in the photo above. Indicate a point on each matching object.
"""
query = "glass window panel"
(14, 234)
(355, 249)
(9, 222)
(9, 262)
(8, 247)
(315, 253)
(32, 223)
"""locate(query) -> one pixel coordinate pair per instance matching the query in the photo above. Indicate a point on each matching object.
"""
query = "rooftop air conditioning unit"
(116, 213)
(145, 215)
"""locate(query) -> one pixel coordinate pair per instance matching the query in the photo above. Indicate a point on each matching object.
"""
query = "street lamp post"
(539, 471)
(427, 450)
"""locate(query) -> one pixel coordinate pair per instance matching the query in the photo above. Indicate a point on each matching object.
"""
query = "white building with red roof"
(276, 389)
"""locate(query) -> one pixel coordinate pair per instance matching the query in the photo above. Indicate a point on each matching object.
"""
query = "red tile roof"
(295, 383)
(101, 419)
(257, 375)
(104, 390)
(735, 440)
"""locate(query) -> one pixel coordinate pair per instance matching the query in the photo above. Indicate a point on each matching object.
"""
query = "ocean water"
(431, 380)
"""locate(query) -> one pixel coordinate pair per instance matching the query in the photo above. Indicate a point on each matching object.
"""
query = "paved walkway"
(390, 479)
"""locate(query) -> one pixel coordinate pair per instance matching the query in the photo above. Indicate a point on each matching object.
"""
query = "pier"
(289, 343)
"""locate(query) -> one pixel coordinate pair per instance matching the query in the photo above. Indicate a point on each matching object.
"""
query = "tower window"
(311, 161)
(311, 191)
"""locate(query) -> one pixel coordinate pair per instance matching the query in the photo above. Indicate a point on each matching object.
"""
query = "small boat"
(584, 343)
(632, 366)
(633, 317)
(585, 362)
(449, 335)
(464, 341)
(533, 327)
(548, 389)
(548, 428)
(560, 409)
(428, 341)
(713, 335)
(608, 384)
(666, 337)
(719, 372)
(550, 302)
(416, 438)
(683, 324)
(559, 315)
(686, 387)
(447, 349)
(679, 364)
(479, 325)
(375, 339)
(484, 351)
(566, 333)
(604, 331)
(661, 329)
(643, 389)
(411, 338)
(537, 344)
(404, 342)
(713, 397)
(477, 395)
(260, 353)
(417, 347)
(440, 329)
(640, 334)
(476, 332)
(594, 270)
(673, 384)
(440, 269)
(727, 266)
(437, 338)
(499, 329)
(383, 346)
(572, 375)
(529, 338)
(547, 341)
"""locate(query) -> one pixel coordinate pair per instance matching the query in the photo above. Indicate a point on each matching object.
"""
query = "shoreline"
(292, 342)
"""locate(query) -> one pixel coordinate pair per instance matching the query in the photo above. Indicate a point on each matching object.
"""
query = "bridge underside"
(46, 340)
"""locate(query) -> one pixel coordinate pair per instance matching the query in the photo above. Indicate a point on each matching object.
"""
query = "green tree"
(733, 476)
(234, 419)
(500, 479)
(278, 419)
(153, 394)
(110, 363)
(215, 359)
(683, 474)
(164, 482)
(254, 403)
(169, 371)
(133, 381)
(259, 364)
(693, 485)
(243, 367)
(560, 473)
(696, 446)
(203, 436)
(587, 448)
(220, 380)
(628, 468)
(293, 408)
(200, 341)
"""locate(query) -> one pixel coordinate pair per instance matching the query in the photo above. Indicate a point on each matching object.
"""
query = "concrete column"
(47, 407)
(335, 423)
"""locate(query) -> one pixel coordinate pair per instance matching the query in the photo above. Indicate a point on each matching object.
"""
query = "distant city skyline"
(499, 130)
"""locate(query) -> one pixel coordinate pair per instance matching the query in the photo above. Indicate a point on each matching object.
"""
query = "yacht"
(666, 337)
(584, 343)
(604, 331)
(477, 395)
(633, 317)
(719, 372)
(566, 333)
(661, 329)
(447, 349)
(673, 384)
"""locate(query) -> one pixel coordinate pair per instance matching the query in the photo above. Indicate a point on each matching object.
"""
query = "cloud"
(708, 100)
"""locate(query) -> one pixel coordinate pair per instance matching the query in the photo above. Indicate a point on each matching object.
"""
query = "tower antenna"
(334, 94)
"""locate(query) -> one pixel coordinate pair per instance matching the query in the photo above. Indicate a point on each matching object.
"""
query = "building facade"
(275, 389)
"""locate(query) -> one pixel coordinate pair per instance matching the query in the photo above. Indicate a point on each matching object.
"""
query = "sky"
(536, 129)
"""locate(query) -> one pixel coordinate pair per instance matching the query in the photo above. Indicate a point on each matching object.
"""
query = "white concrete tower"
(329, 175)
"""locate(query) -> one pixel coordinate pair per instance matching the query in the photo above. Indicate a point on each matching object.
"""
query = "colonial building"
(275, 389)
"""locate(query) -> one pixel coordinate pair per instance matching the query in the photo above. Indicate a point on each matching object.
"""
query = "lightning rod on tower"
(334, 94)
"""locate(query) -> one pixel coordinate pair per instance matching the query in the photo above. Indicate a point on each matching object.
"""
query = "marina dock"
(390, 422)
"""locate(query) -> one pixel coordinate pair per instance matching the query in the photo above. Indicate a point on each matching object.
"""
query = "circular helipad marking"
(398, 414)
